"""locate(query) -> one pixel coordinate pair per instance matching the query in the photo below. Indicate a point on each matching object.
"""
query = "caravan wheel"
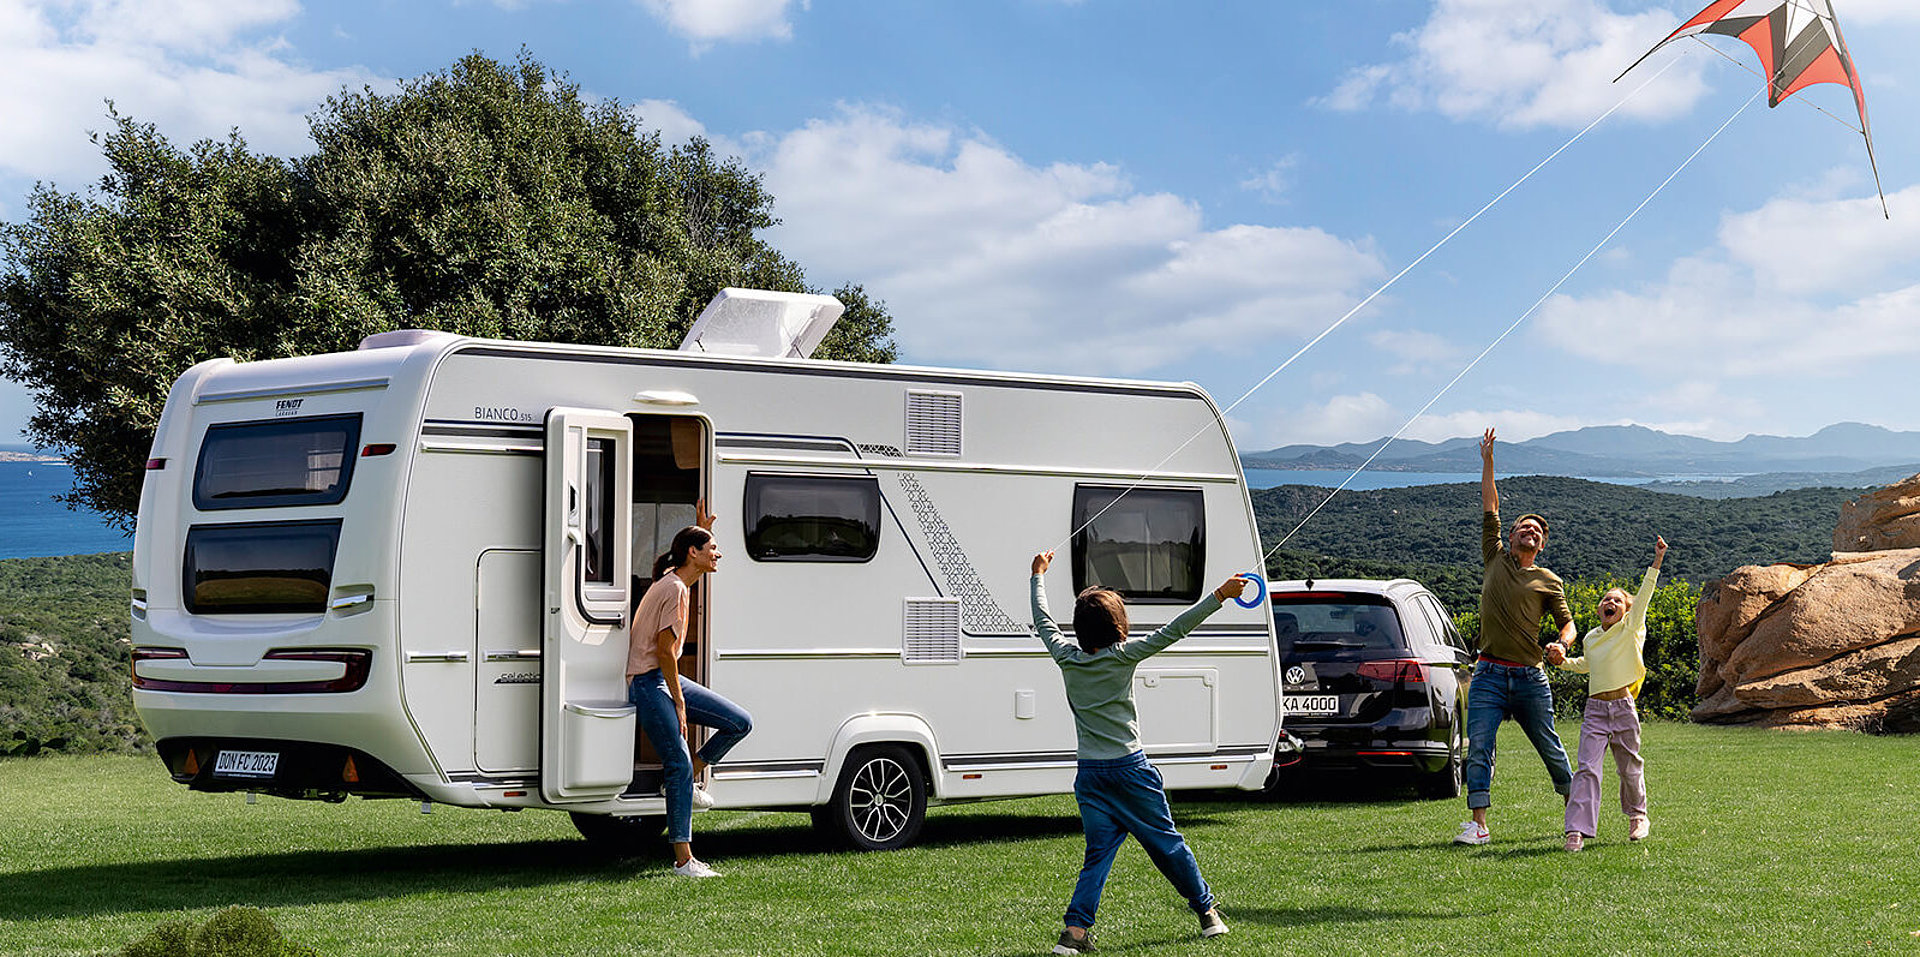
(621, 836)
(880, 802)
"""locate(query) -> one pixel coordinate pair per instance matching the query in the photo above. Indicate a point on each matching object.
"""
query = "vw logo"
(1296, 675)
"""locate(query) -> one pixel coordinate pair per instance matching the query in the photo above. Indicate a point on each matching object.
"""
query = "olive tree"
(487, 199)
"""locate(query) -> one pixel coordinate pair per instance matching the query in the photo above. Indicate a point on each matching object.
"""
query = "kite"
(1799, 44)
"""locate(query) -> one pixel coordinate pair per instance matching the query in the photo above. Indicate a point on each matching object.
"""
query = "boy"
(1118, 791)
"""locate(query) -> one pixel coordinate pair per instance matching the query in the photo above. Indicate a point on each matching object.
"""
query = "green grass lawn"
(1763, 843)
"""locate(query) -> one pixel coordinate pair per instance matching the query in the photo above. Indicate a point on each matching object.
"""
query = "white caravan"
(406, 571)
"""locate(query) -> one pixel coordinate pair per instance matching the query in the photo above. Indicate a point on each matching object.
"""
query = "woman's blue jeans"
(1123, 796)
(1499, 692)
(661, 723)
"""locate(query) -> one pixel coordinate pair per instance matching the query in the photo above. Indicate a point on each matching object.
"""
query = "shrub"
(234, 932)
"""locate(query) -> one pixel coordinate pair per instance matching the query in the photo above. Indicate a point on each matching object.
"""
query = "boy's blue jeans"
(1500, 691)
(661, 723)
(1122, 796)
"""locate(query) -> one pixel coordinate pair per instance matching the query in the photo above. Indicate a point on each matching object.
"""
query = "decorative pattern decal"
(979, 613)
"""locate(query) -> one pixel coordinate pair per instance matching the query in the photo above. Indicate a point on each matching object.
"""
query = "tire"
(880, 802)
(1449, 780)
(621, 836)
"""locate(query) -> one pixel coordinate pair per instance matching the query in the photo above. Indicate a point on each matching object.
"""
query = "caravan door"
(586, 724)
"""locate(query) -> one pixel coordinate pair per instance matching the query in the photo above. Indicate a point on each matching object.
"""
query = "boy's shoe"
(695, 867)
(1472, 832)
(1575, 841)
(1070, 945)
(1211, 924)
(1637, 827)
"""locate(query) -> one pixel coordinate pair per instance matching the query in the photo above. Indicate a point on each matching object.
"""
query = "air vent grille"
(932, 632)
(933, 423)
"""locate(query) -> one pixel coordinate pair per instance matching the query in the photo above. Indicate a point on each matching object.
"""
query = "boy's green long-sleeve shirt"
(1100, 684)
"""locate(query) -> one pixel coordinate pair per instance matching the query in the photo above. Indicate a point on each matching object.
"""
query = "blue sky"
(1184, 190)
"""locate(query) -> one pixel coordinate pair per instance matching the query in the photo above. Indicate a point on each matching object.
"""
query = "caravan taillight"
(377, 448)
(155, 465)
(356, 665)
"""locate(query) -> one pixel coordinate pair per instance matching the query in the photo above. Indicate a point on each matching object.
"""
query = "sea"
(1367, 481)
(33, 525)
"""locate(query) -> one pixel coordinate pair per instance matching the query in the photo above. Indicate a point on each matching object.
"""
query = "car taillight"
(1397, 670)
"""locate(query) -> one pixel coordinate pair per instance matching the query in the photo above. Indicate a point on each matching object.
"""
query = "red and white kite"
(1799, 44)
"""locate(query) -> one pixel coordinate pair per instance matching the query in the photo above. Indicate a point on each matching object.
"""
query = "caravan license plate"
(1312, 704)
(245, 764)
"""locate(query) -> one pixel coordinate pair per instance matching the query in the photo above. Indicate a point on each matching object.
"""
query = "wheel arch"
(902, 728)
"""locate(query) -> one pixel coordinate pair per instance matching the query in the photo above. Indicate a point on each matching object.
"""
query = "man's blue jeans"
(1122, 796)
(654, 706)
(1499, 692)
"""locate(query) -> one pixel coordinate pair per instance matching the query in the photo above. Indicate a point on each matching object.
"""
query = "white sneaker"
(1637, 828)
(701, 799)
(1472, 833)
(695, 867)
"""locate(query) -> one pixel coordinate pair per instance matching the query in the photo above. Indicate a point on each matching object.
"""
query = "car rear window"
(1337, 622)
(259, 567)
(276, 463)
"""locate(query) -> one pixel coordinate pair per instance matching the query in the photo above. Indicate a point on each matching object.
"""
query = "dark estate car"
(1375, 677)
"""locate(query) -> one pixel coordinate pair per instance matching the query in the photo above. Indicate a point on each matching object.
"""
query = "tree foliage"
(489, 199)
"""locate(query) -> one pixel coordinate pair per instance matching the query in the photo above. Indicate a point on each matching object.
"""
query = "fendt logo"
(287, 406)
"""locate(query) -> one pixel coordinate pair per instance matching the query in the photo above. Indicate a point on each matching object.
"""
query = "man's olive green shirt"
(1513, 599)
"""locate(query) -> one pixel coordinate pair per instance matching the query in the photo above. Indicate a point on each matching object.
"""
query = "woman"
(667, 700)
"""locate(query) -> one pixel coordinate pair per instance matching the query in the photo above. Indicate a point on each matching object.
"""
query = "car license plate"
(1312, 704)
(246, 764)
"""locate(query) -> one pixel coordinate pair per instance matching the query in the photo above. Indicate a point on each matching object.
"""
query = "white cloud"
(1365, 416)
(1417, 351)
(666, 117)
(707, 21)
(987, 259)
(1276, 181)
(1523, 64)
(1796, 288)
(1800, 246)
(195, 68)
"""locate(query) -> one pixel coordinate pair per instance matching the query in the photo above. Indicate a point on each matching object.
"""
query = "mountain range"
(1848, 450)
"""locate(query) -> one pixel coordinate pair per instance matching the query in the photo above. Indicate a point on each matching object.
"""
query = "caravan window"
(812, 518)
(274, 463)
(259, 567)
(1148, 544)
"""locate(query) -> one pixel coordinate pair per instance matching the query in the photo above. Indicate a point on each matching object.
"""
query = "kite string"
(1516, 323)
(1363, 304)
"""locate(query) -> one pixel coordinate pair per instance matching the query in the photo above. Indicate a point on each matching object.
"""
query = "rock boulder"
(1835, 645)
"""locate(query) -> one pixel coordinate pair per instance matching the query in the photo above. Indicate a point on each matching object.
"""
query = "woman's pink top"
(663, 607)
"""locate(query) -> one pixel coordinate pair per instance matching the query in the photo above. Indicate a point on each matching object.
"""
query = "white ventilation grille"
(932, 632)
(933, 423)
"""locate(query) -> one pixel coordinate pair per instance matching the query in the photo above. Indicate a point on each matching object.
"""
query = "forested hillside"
(64, 655)
(1597, 529)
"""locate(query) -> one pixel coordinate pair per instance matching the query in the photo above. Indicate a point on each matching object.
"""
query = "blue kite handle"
(1241, 599)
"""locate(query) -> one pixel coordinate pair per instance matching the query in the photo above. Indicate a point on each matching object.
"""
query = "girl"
(1614, 671)
(667, 700)
(1118, 791)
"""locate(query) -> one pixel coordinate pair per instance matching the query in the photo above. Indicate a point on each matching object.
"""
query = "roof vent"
(758, 322)
(402, 338)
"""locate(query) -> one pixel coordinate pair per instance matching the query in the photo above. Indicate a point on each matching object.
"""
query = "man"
(1507, 680)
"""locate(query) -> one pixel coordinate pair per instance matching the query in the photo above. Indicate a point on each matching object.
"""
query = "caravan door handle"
(415, 656)
(523, 655)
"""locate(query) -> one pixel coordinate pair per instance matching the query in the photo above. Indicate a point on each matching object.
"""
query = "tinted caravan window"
(259, 567)
(1148, 544)
(812, 518)
(274, 463)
